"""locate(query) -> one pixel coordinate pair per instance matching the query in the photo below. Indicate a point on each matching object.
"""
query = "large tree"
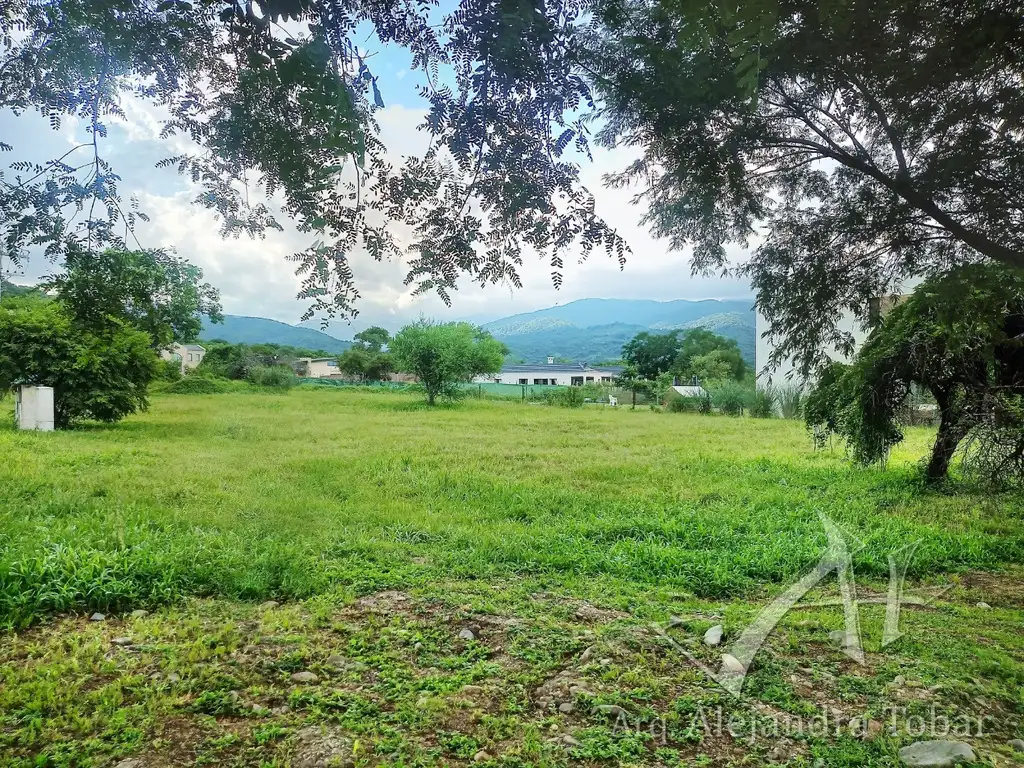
(960, 338)
(101, 375)
(157, 292)
(651, 354)
(867, 142)
(277, 96)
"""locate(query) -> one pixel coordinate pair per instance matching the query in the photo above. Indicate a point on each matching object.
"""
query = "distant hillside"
(596, 329)
(239, 329)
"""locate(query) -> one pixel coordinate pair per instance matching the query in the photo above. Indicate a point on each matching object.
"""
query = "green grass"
(557, 535)
(257, 496)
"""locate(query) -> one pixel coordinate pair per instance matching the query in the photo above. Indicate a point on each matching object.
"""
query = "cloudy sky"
(255, 279)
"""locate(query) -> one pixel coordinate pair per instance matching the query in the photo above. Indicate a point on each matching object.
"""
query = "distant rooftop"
(559, 368)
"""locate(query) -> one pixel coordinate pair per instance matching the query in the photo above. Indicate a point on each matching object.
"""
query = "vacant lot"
(557, 537)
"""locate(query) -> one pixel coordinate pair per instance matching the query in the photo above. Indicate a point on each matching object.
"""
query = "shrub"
(731, 398)
(567, 397)
(168, 370)
(101, 376)
(198, 385)
(764, 403)
(683, 404)
(791, 401)
(274, 376)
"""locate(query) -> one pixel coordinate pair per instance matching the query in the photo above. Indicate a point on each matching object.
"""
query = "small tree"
(631, 380)
(444, 355)
(102, 377)
(353, 362)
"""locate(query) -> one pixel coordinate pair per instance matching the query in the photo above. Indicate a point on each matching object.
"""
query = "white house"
(557, 374)
(189, 355)
(317, 367)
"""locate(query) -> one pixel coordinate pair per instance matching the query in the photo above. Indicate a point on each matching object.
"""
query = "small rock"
(482, 756)
(612, 710)
(605, 662)
(139, 614)
(174, 677)
(284, 709)
(714, 635)
(322, 746)
(566, 707)
(467, 634)
(587, 612)
(731, 664)
(1017, 745)
(473, 690)
(585, 656)
(130, 763)
(569, 741)
(937, 754)
(983, 606)
(270, 604)
(337, 661)
(98, 617)
(122, 642)
(259, 710)
(156, 676)
(899, 680)
(418, 647)
(305, 677)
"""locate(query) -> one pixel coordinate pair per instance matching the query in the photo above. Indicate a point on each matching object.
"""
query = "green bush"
(101, 376)
(731, 398)
(168, 370)
(764, 403)
(274, 376)
(684, 404)
(567, 397)
(199, 385)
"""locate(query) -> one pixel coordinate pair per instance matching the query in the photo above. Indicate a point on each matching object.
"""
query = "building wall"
(321, 369)
(785, 373)
(560, 378)
(189, 359)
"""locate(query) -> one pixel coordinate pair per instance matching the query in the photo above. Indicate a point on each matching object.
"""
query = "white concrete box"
(33, 408)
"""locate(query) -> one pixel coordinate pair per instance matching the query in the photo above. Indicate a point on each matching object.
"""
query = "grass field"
(384, 528)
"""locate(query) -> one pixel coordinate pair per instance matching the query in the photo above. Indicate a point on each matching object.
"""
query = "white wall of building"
(785, 373)
(539, 375)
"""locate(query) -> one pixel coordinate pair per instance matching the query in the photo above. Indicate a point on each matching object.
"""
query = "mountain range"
(239, 329)
(593, 330)
(587, 330)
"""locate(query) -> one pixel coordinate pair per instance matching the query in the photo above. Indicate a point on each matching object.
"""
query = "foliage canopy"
(443, 355)
(961, 338)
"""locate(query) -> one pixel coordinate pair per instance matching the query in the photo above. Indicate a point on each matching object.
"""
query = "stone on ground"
(937, 754)
(714, 635)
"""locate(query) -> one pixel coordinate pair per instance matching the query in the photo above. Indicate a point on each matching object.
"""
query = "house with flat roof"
(552, 374)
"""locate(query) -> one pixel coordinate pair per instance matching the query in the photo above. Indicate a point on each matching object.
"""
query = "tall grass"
(791, 401)
(286, 495)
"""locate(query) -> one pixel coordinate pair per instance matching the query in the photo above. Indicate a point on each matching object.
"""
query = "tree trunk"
(952, 430)
(634, 399)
